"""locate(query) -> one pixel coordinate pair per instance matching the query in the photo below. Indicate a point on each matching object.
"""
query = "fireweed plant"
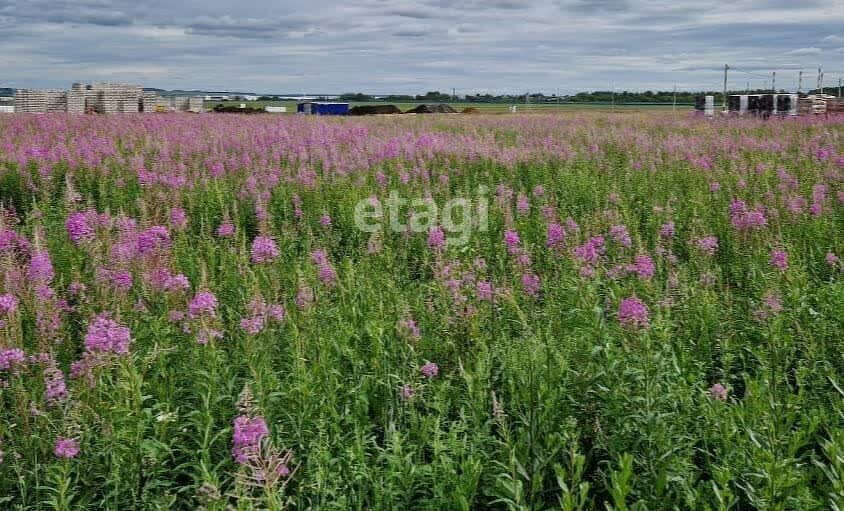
(651, 318)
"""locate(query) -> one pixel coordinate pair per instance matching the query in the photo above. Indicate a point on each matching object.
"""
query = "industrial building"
(765, 105)
(102, 98)
(322, 108)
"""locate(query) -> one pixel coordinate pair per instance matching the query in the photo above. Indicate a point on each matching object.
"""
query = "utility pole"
(839, 87)
(821, 83)
(774, 82)
(612, 86)
(799, 82)
(674, 106)
(726, 68)
(453, 94)
(818, 86)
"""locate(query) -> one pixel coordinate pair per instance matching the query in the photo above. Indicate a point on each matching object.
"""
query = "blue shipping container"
(319, 108)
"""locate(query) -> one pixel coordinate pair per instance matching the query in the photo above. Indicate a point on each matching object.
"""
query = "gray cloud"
(418, 45)
(227, 26)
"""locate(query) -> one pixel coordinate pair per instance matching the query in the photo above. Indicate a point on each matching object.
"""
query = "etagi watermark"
(458, 217)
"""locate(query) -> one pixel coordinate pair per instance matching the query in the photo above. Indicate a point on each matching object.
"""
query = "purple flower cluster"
(408, 328)
(178, 219)
(746, 219)
(260, 314)
(79, 227)
(620, 235)
(633, 312)
(531, 284)
(119, 280)
(247, 436)
(40, 271)
(56, 390)
(107, 336)
(708, 244)
(407, 392)
(718, 392)
(225, 230)
(779, 260)
(11, 358)
(484, 290)
(555, 235)
(153, 239)
(8, 303)
(203, 304)
(325, 270)
(436, 238)
(264, 250)
(511, 240)
(591, 251)
(430, 370)
(66, 448)
(643, 266)
(667, 230)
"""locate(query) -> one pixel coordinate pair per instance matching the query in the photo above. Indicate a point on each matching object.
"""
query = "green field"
(483, 107)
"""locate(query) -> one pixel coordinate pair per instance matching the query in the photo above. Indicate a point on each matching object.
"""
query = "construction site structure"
(821, 104)
(102, 98)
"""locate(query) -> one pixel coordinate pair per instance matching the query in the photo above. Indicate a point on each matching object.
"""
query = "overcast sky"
(381, 46)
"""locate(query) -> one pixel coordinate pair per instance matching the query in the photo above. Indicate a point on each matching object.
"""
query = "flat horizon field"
(577, 310)
(497, 108)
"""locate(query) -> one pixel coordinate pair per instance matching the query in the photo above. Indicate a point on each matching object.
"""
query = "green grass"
(543, 401)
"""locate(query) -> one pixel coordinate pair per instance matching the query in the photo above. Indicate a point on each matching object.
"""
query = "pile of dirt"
(470, 110)
(432, 109)
(237, 110)
(374, 110)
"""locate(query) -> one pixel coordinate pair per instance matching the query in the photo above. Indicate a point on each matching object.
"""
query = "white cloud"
(804, 51)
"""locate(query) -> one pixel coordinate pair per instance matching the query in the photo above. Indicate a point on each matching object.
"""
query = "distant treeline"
(665, 97)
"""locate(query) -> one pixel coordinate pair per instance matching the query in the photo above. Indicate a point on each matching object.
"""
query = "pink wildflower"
(707, 244)
(620, 235)
(511, 239)
(11, 358)
(66, 448)
(264, 250)
(407, 392)
(718, 391)
(8, 303)
(247, 436)
(667, 230)
(107, 336)
(178, 218)
(40, 269)
(204, 303)
(436, 238)
(644, 267)
(633, 312)
(430, 370)
(483, 290)
(225, 230)
(79, 228)
(555, 236)
(779, 260)
(531, 284)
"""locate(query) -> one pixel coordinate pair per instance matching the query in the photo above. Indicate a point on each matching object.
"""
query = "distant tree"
(355, 96)
(435, 96)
